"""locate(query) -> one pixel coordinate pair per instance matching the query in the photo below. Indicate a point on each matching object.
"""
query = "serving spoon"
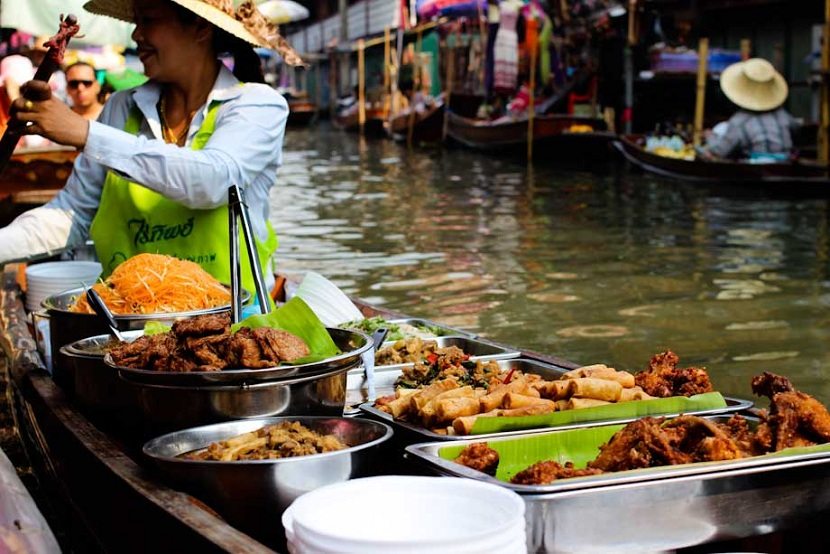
(103, 313)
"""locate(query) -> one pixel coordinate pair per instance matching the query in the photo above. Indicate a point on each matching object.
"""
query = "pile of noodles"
(154, 283)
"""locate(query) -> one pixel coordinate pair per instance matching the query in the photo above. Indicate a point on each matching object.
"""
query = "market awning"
(43, 16)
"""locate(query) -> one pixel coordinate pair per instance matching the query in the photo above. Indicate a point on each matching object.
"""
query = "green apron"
(133, 219)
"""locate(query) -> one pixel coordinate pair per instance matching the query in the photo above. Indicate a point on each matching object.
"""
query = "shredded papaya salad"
(155, 283)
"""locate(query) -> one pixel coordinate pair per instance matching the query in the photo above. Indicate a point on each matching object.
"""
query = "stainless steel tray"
(661, 508)
(385, 385)
(352, 344)
(445, 329)
(476, 348)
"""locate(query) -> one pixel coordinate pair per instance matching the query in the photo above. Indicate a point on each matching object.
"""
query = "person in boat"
(83, 89)
(761, 131)
(154, 170)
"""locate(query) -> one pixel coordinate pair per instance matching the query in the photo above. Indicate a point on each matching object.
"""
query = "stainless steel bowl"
(252, 494)
(166, 408)
(352, 344)
(98, 388)
(66, 327)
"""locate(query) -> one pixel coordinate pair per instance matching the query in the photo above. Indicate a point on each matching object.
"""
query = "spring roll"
(428, 411)
(450, 408)
(425, 395)
(554, 390)
(515, 400)
(634, 393)
(588, 371)
(598, 389)
(578, 403)
(495, 396)
(464, 425)
(535, 409)
(624, 378)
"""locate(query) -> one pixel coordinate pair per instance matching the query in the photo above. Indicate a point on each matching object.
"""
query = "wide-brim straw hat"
(243, 21)
(754, 85)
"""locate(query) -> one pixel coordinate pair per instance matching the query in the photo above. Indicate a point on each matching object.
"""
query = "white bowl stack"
(424, 515)
(326, 300)
(45, 279)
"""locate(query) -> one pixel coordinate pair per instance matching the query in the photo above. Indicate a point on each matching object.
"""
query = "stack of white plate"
(423, 515)
(45, 279)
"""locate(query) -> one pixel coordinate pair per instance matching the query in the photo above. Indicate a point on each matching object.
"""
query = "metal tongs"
(237, 209)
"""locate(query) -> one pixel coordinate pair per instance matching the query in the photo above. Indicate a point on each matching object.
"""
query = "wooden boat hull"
(812, 175)
(514, 133)
(426, 127)
(373, 125)
(301, 112)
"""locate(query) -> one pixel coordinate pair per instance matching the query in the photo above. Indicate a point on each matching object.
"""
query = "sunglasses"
(75, 83)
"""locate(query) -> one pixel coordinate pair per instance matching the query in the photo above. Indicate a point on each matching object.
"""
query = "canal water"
(595, 266)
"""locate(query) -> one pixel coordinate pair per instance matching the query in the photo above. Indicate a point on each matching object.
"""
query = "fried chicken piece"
(663, 378)
(768, 384)
(641, 443)
(480, 457)
(737, 427)
(548, 471)
(702, 439)
(794, 418)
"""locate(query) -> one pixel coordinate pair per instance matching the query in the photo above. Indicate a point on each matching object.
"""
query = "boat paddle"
(52, 61)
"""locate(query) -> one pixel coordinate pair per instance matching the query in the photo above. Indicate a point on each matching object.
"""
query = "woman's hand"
(49, 117)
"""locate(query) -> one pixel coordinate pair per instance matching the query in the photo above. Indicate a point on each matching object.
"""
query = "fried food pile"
(448, 392)
(205, 343)
(286, 439)
(794, 419)
(663, 378)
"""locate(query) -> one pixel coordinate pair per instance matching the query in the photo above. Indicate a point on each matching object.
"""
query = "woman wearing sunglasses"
(83, 90)
(154, 170)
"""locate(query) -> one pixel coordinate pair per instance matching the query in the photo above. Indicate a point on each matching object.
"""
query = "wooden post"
(361, 84)
(416, 87)
(700, 98)
(531, 105)
(823, 142)
(628, 67)
(448, 86)
(387, 79)
(746, 48)
(318, 88)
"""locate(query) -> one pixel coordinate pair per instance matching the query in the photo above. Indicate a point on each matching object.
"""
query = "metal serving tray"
(413, 433)
(476, 348)
(661, 509)
(445, 329)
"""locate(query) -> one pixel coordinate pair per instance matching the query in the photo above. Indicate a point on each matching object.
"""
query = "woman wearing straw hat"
(760, 131)
(154, 170)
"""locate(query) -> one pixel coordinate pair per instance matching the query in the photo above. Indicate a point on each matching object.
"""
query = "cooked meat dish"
(287, 439)
(205, 343)
(543, 473)
(663, 378)
(449, 362)
(794, 419)
(480, 457)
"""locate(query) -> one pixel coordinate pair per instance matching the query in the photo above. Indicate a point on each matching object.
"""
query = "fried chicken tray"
(352, 345)
(410, 431)
(649, 509)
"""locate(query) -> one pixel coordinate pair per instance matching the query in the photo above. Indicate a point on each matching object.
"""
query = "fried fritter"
(479, 456)
(543, 473)
(663, 378)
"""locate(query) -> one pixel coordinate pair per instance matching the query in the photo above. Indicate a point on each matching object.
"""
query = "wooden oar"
(52, 61)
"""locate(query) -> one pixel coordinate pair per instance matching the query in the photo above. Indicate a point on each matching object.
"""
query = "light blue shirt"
(245, 148)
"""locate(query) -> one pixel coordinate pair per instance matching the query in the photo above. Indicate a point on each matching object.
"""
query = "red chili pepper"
(509, 376)
(432, 357)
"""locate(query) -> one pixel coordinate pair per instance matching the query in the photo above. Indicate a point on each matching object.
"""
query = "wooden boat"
(427, 126)
(102, 497)
(372, 126)
(301, 111)
(32, 177)
(809, 176)
(505, 133)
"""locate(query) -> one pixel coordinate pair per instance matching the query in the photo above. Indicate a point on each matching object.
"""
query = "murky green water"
(591, 267)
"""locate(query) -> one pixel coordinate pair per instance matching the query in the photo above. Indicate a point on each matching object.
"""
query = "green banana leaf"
(296, 317)
(608, 412)
(579, 446)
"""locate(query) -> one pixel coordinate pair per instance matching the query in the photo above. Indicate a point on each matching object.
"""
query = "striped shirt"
(755, 132)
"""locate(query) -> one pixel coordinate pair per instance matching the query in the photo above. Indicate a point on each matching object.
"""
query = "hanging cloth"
(506, 65)
(545, 37)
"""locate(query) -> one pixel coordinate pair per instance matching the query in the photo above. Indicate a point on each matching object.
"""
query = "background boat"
(427, 125)
(809, 174)
(301, 111)
(32, 177)
(373, 125)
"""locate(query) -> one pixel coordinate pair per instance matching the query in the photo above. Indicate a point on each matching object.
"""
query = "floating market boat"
(426, 126)
(372, 126)
(102, 489)
(556, 135)
(808, 176)
(32, 177)
(301, 111)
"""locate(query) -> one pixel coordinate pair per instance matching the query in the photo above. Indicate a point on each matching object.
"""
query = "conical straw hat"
(243, 21)
(754, 85)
